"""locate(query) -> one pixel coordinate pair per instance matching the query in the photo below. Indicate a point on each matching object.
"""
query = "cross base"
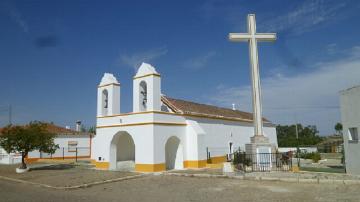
(259, 139)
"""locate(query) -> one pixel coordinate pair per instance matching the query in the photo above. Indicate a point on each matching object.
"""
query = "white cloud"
(311, 98)
(134, 60)
(200, 61)
(306, 17)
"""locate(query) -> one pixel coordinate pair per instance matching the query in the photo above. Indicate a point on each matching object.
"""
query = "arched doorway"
(122, 152)
(174, 154)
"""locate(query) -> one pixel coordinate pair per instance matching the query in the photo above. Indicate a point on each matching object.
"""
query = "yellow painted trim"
(134, 113)
(217, 159)
(150, 167)
(102, 165)
(30, 160)
(217, 118)
(146, 76)
(144, 123)
(115, 84)
(215, 166)
(195, 164)
(184, 115)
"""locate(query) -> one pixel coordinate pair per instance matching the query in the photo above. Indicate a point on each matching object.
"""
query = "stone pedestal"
(259, 152)
(259, 142)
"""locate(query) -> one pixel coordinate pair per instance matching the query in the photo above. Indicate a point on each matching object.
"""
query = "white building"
(72, 144)
(165, 133)
(350, 118)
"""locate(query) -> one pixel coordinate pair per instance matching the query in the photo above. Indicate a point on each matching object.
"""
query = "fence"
(261, 162)
(10, 158)
(62, 153)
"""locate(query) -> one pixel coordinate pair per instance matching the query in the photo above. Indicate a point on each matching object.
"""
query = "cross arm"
(239, 37)
(265, 36)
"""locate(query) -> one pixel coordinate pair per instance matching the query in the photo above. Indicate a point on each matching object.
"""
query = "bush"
(315, 156)
(240, 158)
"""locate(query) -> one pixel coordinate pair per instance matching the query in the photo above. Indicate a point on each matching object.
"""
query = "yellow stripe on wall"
(195, 164)
(218, 159)
(102, 165)
(150, 167)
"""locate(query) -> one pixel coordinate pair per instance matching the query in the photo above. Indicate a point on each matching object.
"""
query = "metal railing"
(63, 153)
(262, 162)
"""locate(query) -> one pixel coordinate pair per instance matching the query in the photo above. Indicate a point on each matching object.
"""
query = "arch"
(104, 102)
(143, 96)
(122, 152)
(174, 155)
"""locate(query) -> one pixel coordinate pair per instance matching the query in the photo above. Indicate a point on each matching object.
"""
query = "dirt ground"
(62, 175)
(173, 188)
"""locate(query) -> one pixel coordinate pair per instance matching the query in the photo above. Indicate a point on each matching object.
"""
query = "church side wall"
(219, 134)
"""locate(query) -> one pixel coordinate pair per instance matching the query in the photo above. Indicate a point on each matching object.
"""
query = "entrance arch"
(174, 158)
(122, 152)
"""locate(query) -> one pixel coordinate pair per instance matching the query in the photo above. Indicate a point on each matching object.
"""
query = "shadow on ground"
(54, 167)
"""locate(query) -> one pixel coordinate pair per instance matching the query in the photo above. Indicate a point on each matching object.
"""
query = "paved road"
(172, 188)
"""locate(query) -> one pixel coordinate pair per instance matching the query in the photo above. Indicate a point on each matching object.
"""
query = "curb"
(273, 179)
(75, 186)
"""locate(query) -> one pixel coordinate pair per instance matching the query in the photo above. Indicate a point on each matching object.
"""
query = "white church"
(164, 133)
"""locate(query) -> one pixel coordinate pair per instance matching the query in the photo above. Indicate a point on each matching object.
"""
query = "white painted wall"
(350, 118)
(219, 133)
(6, 158)
(63, 140)
(293, 149)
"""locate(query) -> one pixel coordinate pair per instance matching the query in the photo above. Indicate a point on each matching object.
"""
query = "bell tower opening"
(105, 102)
(143, 96)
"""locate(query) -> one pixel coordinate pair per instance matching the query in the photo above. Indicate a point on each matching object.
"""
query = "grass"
(326, 170)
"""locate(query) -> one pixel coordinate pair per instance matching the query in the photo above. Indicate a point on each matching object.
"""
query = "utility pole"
(10, 114)
(297, 140)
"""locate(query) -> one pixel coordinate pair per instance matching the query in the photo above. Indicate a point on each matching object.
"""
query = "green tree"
(286, 135)
(338, 128)
(92, 130)
(24, 139)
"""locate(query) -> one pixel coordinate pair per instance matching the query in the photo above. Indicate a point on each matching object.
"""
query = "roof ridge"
(208, 105)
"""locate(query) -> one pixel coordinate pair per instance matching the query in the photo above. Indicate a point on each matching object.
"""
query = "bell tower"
(108, 98)
(146, 89)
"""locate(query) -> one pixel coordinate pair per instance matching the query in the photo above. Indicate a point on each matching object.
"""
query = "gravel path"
(62, 175)
(172, 188)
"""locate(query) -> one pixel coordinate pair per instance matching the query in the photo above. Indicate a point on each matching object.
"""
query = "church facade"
(164, 133)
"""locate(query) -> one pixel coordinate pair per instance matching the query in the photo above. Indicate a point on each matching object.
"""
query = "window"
(353, 134)
(72, 146)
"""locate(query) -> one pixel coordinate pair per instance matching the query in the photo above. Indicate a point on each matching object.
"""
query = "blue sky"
(54, 53)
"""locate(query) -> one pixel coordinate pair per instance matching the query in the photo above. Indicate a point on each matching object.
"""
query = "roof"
(58, 130)
(146, 69)
(108, 79)
(204, 110)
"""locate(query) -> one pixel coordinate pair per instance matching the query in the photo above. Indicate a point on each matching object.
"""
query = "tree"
(24, 139)
(338, 128)
(92, 130)
(286, 135)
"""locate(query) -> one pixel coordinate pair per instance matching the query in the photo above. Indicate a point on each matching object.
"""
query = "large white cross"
(252, 37)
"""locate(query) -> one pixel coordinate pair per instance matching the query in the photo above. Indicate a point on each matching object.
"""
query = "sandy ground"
(173, 188)
(67, 174)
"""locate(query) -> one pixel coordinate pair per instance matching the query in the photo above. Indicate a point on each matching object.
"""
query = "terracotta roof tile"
(52, 128)
(192, 108)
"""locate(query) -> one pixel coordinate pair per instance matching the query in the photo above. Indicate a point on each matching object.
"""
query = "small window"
(353, 134)
(72, 146)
